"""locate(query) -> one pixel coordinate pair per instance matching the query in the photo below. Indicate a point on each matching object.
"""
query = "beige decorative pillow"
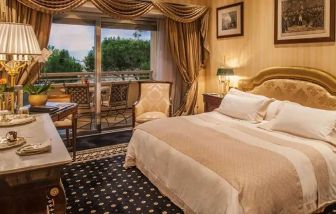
(305, 122)
(244, 108)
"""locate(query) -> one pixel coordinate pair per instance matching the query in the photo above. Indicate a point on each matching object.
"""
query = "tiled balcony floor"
(113, 124)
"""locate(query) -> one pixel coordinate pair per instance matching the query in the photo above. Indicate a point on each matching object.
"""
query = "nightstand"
(212, 101)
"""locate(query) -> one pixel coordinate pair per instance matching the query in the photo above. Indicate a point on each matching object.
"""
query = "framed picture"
(230, 20)
(304, 21)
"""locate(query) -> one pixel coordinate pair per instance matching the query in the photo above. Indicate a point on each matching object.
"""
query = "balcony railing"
(107, 76)
(57, 80)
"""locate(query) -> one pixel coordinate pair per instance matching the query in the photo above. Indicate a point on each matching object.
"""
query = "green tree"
(61, 61)
(122, 54)
(137, 34)
(89, 61)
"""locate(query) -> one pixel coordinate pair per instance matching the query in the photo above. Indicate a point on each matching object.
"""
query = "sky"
(79, 39)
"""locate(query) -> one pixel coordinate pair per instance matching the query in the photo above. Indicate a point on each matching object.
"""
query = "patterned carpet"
(102, 185)
(97, 183)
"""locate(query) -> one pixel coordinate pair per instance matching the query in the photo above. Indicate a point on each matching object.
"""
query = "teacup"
(11, 136)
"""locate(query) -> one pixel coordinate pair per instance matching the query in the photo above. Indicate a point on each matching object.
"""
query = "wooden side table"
(212, 101)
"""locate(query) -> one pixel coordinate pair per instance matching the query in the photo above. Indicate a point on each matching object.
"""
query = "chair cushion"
(63, 123)
(148, 116)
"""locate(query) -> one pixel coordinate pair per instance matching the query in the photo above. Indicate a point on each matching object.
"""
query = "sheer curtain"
(164, 67)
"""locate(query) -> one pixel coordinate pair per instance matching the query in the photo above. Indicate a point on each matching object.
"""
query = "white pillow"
(244, 108)
(246, 94)
(274, 108)
(304, 122)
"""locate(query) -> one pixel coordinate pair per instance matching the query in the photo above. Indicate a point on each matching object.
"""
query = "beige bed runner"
(267, 182)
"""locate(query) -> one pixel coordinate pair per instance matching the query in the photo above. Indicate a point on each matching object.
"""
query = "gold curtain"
(52, 6)
(189, 47)
(179, 12)
(122, 9)
(41, 22)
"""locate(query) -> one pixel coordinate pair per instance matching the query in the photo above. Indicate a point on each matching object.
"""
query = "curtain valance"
(125, 9)
(179, 12)
(52, 6)
(122, 9)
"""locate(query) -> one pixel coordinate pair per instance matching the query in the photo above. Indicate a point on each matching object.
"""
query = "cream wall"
(256, 50)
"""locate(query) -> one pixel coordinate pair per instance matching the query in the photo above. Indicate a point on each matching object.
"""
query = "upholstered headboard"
(307, 86)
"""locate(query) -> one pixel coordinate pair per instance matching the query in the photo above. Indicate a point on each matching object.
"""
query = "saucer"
(14, 120)
(5, 144)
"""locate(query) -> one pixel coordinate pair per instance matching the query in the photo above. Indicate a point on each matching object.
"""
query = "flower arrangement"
(38, 93)
(43, 58)
(3, 81)
(3, 89)
(3, 85)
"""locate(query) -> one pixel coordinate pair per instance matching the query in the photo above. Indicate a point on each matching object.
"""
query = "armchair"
(65, 124)
(154, 102)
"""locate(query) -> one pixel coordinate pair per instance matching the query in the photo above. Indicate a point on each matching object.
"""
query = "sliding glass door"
(100, 52)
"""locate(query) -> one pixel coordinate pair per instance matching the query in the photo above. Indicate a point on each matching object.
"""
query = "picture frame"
(230, 20)
(305, 21)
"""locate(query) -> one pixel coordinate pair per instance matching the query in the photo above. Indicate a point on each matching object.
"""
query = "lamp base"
(225, 86)
(13, 70)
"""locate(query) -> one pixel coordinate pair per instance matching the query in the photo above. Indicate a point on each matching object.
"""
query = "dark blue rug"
(104, 186)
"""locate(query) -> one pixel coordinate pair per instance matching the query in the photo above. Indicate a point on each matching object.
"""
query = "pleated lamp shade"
(18, 40)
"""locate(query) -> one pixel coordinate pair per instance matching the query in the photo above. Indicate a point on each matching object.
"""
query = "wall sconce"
(224, 75)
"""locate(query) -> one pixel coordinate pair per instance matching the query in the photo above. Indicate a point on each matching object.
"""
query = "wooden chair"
(80, 94)
(117, 102)
(154, 102)
(65, 124)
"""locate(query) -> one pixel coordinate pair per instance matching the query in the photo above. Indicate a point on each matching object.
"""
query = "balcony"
(101, 123)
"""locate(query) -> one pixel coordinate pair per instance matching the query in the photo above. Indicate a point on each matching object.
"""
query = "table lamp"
(18, 46)
(224, 75)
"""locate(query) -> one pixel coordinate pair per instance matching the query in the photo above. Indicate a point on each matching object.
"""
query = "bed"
(213, 163)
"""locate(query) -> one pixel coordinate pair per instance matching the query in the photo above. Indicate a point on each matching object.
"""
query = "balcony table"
(25, 181)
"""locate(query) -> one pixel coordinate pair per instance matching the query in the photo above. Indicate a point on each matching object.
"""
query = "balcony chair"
(65, 124)
(80, 94)
(154, 102)
(117, 102)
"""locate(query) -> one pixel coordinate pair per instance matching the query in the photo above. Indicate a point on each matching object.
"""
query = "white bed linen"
(206, 192)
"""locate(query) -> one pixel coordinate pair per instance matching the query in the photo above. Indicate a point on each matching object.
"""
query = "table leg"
(57, 194)
(74, 135)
